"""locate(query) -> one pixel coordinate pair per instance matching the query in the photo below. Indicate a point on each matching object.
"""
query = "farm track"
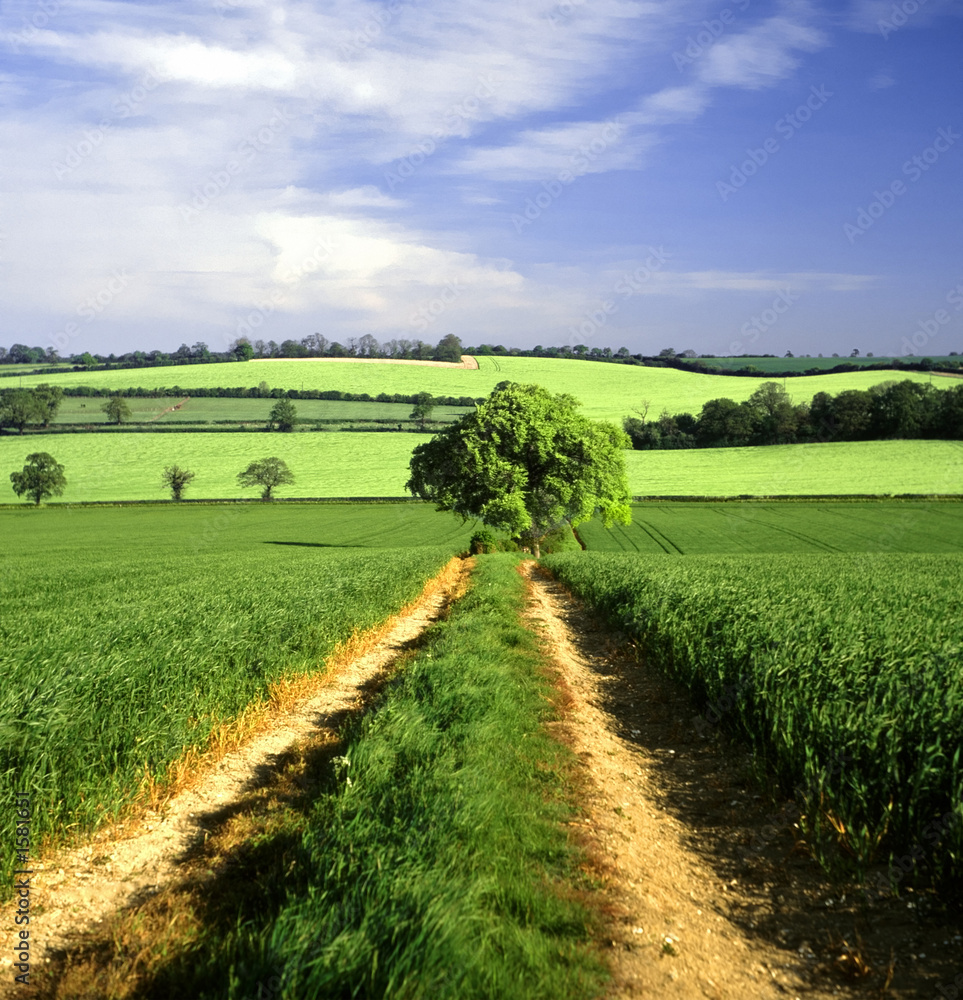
(704, 890)
(79, 888)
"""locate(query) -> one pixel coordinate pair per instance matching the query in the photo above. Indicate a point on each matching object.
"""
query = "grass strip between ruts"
(435, 862)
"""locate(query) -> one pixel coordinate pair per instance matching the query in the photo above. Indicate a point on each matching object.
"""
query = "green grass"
(753, 526)
(128, 635)
(844, 467)
(842, 671)
(435, 865)
(607, 391)
(127, 466)
(207, 409)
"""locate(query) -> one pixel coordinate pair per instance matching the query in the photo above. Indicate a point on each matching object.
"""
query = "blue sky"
(732, 178)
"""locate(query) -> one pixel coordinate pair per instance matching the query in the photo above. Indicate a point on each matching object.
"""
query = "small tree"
(41, 477)
(116, 409)
(266, 473)
(283, 416)
(177, 479)
(424, 404)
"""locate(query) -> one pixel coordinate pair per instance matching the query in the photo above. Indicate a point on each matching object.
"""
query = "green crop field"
(210, 409)
(607, 391)
(843, 671)
(120, 648)
(804, 364)
(127, 465)
(753, 526)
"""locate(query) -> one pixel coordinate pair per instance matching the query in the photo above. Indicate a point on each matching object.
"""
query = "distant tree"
(177, 479)
(424, 404)
(667, 352)
(117, 410)
(41, 477)
(47, 400)
(449, 349)
(242, 349)
(266, 473)
(723, 421)
(87, 360)
(774, 417)
(854, 353)
(788, 354)
(283, 416)
(263, 389)
(18, 407)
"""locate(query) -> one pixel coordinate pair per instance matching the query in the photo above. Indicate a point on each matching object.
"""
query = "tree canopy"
(177, 479)
(117, 409)
(41, 477)
(284, 415)
(266, 473)
(526, 462)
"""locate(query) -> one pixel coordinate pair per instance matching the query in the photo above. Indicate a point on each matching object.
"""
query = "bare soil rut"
(75, 890)
(705, 889)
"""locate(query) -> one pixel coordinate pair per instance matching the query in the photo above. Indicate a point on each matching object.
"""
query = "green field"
(219, 410)
(841, 670)
(121, 647)
(607, 391)
(753, 526)
(804, 364)
(127, 465)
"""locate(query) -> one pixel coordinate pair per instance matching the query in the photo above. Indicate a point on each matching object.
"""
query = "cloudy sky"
(747, 177)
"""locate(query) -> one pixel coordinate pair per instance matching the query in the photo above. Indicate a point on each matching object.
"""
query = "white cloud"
(761, 56)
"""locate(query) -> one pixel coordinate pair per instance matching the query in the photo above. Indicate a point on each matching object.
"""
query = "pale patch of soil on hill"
(705, 890)
(75, 891)
(467, 361)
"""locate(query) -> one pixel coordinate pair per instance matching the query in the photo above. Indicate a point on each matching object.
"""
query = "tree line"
(313, 346)
(904, 409)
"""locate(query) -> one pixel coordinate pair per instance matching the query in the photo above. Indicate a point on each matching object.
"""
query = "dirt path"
(706, 892)
(75, 890)
(170, 409)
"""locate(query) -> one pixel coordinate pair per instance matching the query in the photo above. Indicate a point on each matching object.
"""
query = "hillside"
(607, 391)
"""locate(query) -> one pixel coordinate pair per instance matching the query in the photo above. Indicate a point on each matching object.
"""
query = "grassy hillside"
(128, 466)
(607, 391)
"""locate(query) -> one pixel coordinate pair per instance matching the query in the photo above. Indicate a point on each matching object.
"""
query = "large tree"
(526, 462)
(266, 473)
(41, 477)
